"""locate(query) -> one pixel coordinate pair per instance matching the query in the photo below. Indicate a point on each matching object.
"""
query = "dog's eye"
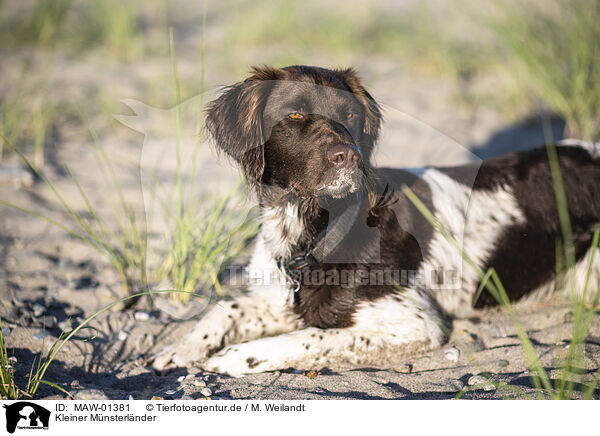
(349, 115)
(296, 116)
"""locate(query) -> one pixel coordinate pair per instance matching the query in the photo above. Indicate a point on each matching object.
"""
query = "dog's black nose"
(343, 155)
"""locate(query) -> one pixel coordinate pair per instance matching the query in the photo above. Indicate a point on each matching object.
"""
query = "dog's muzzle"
(344, 176)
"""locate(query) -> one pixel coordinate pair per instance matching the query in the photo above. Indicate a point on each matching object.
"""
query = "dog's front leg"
(310, 348)
(242, 319)
(305, 348)
(384, 330)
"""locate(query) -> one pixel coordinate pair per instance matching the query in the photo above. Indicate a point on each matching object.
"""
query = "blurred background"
(459, 80)
(469, 69)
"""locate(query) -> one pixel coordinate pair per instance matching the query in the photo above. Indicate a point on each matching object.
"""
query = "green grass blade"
(60, 343)
(53, 222)
(60, 388)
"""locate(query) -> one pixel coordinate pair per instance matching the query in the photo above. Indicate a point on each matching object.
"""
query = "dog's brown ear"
(235, 121)
(372, 110)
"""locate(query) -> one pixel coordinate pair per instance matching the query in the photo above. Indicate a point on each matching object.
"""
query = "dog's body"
(346, 268)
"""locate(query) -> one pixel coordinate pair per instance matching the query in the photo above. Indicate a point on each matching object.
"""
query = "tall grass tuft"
(553, 47)
(26, 115)
(111, 25)
(202, 234)
(8, 388)
(200, 245)
(125, 248)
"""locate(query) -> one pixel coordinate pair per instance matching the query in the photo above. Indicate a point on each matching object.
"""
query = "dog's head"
(303, 128)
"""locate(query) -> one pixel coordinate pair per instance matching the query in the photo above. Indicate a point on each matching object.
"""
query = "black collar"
(300, 262)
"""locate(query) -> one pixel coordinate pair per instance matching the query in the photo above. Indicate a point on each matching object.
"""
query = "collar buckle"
(295, 267)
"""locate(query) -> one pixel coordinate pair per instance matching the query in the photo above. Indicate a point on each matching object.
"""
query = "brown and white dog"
(352, 272)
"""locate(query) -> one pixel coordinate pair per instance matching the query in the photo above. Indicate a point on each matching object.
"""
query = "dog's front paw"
(208, 336)
(177, 355)
(238, 360)
(190, 349)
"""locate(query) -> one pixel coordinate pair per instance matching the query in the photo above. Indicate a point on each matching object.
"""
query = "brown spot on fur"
(252, 362)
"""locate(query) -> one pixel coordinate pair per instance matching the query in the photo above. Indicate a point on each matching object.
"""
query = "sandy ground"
(48, 277)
